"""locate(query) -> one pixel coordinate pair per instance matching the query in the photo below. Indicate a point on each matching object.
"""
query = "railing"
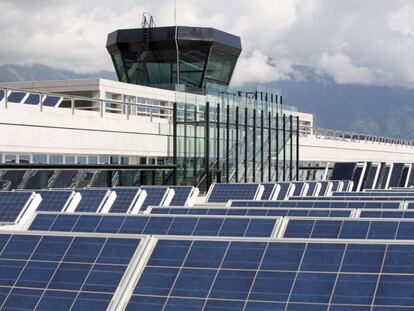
(74, 102)
(322, 133)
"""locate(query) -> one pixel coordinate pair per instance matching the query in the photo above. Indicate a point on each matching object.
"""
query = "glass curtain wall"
(226, 138)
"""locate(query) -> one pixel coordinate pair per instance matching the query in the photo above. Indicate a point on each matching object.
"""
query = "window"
(40, 158)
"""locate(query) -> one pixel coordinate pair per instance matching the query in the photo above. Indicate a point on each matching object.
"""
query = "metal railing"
(98, 105)
(322, 133)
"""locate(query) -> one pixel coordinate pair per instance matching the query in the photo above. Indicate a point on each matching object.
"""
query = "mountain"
(376, 110)
(31, 72)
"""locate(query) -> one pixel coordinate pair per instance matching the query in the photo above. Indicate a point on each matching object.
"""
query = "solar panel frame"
(253, 193)
(313, 203)
(193, 225)
(15, 206)
(346, 228)
(64, 197)
(125, 201)
(234, 211)
(288, 261)
(81, 267)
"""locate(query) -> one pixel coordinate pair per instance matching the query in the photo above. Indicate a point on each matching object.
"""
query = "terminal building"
(170, 119)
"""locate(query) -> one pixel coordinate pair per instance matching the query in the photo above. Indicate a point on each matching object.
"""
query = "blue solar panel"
(155, 196)
(374, 194)
(312, 203)
(13, 204)
(336, 184)
(221, 193)
(352, 198)
(125, 199)
(350, 229)
(181, 195)
(347, 185)
(69, 272)
(386, 214)
(55, 201)
(263, 275)
(299, 188)
(312, 187)
(160, 225)
(284, 188)
(234, 211)
(32, 99)
(51, 101)
(92, 199)
(268, 191)
(324, 188)
(1, 95)
(16, 97)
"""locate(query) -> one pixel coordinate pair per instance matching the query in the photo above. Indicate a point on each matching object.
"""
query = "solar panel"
(62, 272)
(52, 101)
(16, 97)
(182, 195)
(1, 95)
(312, 203)
(235, 211)
(374, 194)
(125, 199)
(32, 99)
(385, 213)
(284, 191)
(14, 204)
(275, 275)
(325, 188)
(56, 201)
(352, 198)
(313, 188)
(157, 224)
(347, 185)
(301, 188)
(269, 188)
(379, 229)
(155, 196)
(92, 199)
(221, 193)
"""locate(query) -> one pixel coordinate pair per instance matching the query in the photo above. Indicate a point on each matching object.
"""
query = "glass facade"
(205, 57)
(231, 138)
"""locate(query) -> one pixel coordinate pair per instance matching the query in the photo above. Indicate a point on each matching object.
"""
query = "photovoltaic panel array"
(54, 201)
(319, 204)
(301, 276)
(324, 188)
(268, 190)
(353, 198)
(234, 211)
(312, 187)
(65, 272)
(125, 199)
(374, 194)
(386, 214)
(13, 204)
(350, 229)
(158, 225)
(221, 193)
(181, 195)
(92, 199)
(155, 196)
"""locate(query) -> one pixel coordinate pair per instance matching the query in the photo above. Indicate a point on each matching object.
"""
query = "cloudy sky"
(353, 41)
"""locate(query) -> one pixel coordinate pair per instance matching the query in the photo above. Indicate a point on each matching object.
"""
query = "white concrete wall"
(24, 129)
(313, 148)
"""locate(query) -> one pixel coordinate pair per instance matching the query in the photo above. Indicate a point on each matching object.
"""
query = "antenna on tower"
(147, 20)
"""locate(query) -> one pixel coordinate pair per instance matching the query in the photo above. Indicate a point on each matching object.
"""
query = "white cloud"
(369, 42)
(341, 68)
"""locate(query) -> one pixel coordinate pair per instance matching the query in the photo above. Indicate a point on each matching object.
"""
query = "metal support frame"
(237, 145)
(262, 146)
(246, 114)
(284, 148)
(254, 146)
(218, 176)
(175, 142)
(269, 177)
(297, 148)
(207, 144)
(291, 148)
(277, 146)
(228, 143)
